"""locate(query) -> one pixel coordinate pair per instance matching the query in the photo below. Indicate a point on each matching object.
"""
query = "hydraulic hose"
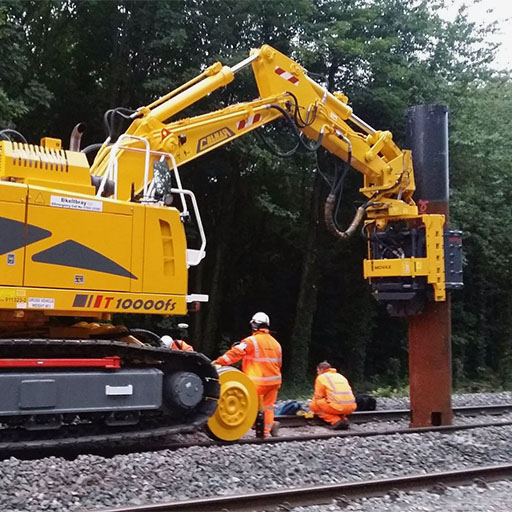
(329, 207)
(296, 131)
(146, 336)
(301, 123)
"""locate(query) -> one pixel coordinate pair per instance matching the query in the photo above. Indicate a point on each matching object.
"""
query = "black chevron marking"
(73, 254)
(12, 234)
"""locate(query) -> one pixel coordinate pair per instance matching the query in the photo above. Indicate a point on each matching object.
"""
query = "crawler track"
(302, 496)
(89, 433)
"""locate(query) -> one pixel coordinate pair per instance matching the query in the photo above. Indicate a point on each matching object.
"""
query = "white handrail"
(112, 167)
(195, 256)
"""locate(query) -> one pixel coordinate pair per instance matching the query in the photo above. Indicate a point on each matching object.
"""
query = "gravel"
(469, 399)
(92, 482)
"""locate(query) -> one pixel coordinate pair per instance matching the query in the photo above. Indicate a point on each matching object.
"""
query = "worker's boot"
(274, 431)
(319, 422)
(340, 425)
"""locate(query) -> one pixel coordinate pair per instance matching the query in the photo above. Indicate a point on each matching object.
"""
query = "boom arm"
(285, 89)
(405, 250)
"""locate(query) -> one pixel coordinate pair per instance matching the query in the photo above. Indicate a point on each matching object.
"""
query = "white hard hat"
(166, 340)
(260, 318)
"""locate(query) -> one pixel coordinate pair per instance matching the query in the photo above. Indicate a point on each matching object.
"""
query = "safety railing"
(194, 256)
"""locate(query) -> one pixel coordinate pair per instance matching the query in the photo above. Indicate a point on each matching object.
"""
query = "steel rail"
(370, 433)
(397, 414)
(391, 414)
(122, 450)
(302, 496)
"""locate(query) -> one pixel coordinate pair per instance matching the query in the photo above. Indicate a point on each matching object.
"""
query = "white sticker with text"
(75, 203)
(41, 303)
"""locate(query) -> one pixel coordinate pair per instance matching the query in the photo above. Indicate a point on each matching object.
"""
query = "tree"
(69, 61)
(20, 93)
(481, 191)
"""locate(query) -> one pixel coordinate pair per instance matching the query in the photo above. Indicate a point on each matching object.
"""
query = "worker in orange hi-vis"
(261, 362)
(173, 344)
(333, 399)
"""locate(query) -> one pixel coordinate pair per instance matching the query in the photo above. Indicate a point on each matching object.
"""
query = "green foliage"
(20, 93)
(69, 61)
(481, 192)
(293, 390)
(391, 392)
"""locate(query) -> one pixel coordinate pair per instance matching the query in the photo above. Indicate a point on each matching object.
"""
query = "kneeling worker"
(261, 362)
(333, 399)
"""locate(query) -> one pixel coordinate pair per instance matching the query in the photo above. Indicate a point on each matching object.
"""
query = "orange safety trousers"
(268, 396)
(322, 408)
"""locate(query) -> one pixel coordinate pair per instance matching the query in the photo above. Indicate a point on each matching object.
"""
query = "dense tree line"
(69, 61)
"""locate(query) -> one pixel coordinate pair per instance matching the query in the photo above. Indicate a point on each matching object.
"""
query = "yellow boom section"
(284, 87)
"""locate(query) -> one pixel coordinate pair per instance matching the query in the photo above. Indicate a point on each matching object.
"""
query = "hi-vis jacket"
(261, 355)
(334, 388)
(181, 345)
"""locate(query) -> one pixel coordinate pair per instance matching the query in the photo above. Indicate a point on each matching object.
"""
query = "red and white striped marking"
(248, 122)
(286, 75)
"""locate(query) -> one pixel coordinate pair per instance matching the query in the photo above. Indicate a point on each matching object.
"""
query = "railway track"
(302, 496)
(398, 414)
(287, 422)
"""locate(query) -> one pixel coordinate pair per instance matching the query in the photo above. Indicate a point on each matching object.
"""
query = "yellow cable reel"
(237, 406)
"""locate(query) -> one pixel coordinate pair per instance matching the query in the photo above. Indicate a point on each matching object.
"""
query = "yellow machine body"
(77, 254)
(139, 248)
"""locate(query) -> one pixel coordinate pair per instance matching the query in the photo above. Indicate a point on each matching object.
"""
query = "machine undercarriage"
(85, 387)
